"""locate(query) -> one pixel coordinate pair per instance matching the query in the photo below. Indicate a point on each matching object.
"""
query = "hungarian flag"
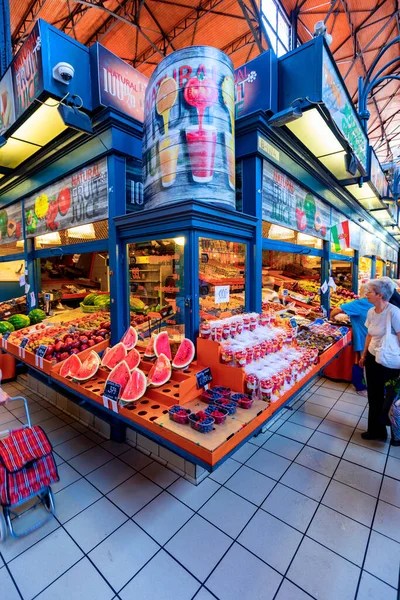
(341, 236)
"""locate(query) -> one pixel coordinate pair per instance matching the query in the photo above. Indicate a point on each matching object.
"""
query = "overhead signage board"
(255, 85)
(77, 199)
(342, 110)
(377, 176)
(23, 81)
(120, 85)
(287, 203)
(11, 223)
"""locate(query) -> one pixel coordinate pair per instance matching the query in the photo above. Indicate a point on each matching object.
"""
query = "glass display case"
(379, 269)
(222, 267)
(364, 269)
(156, 282)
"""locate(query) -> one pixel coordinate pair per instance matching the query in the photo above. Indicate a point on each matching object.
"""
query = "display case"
(364, 269)
(380, 268)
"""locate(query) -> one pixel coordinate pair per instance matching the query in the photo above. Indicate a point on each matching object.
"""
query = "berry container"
(210, 397)
(226, 403)
(242, 400)
(218, 413)
(176, 414)
(201, 426)
(223, 391)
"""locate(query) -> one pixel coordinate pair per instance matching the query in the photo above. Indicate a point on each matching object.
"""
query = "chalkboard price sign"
(112, 391)
(203, 377)
(6, 335)
(293, 322)
(41, 351)
(24, 342)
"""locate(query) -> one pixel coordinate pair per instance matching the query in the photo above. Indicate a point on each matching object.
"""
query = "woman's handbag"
(394, 416)
(388, 353)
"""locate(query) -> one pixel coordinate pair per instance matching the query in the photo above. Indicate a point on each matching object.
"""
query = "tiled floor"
(306, 510)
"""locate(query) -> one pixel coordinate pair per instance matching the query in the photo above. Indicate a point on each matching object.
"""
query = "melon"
(136, 386)
(133, 359)
(149, 352)
(71, 366)
(130, 338)
(184, 355)
(120, 374)
(160, 372)
(113, 356)
(162, 346)
(89, 367)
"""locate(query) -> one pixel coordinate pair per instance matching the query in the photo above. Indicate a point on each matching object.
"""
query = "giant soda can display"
(189, 129)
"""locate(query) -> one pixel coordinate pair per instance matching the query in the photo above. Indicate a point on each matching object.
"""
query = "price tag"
(318, 322)
(6, 335)
(41, 351)
(343, 330)
(293, 323)
(203, 377)
(285, 292)
(47, 297)
(112, 391)
(24, 342)
(4, 339)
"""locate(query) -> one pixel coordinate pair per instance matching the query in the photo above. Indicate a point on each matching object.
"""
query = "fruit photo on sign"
(64, 201)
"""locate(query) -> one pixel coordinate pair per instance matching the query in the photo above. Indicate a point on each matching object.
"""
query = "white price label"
(221, 293)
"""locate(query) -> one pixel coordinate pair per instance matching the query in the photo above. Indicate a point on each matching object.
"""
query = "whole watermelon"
(101, 300)
(19, 321)
(36, 316)
(6, 326)
(89, 299)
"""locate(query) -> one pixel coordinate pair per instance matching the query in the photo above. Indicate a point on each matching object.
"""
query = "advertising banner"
(7, 113)
(11, 223)
(286, 203)
(120, 85)
(377, 176)
(75, 200)
(27, 72)
(189, 129)
(342, 111)
(254, 85)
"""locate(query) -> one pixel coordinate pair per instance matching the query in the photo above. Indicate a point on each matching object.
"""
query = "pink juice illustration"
(201, 93)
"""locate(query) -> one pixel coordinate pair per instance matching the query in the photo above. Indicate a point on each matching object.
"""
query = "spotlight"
(75, 119)
(285, 116)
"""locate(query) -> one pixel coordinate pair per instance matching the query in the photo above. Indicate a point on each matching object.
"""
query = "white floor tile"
(319, 461)
(324, 398)
(57, 553)
(355, 476)
(136, 459)
(289, 591)
(290, 506)
(340, 534)
(283, 446)
(344, 432)
(123, 553)
(268, 463)
(225, 471)
(203, 594)
(132, 495)
(82, 582)
(314, 409)
(257, 537)
(383, 558)
(244, 453)
(90, 460)
(75, 498)
(327, 443)
(303, 480)
(95, 523)
(74, 446)
(7, 587)
(365, 457)
(59, 436)
(253, 580)
(116, 448)
(387, 520)
(261, 438)
(338, 416)
(67, 476)
(250, 484)
(110, 475)
(306, 420)
(323, 574)
(296, 432)
(162, 578)
(393, 467)
(371, 444)
(235, 515)
(11, 548)
(371, 587)
(350, 502)
(160, 474)
(163, 517)
(390, 491)
(193, 495)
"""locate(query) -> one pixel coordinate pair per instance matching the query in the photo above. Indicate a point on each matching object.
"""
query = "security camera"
(63, 72)
(321, 29)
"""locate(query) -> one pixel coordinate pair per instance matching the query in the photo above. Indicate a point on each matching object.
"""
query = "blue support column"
(252, 205)
(191, 270)
(354, 285)
(373, 267)
(119, 288)
(5, 37)
(325, 274)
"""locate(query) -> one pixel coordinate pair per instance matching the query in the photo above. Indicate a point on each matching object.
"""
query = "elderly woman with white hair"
(380, 397)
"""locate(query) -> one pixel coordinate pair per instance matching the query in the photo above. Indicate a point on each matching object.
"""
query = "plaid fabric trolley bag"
(27, 470)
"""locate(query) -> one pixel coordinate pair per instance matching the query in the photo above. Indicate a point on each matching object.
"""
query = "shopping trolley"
(27, 470)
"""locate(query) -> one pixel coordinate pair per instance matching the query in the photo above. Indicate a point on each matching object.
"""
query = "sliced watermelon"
(133, 359)
(114, 355)
(70, 366)
(149, 352)
(135, 388)
(130, 338)
(184, 355)
(162, 346)
(160, 372)
(121, 375)
(89, 367)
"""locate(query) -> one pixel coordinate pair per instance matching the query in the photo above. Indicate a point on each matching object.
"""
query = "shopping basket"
(27, 470)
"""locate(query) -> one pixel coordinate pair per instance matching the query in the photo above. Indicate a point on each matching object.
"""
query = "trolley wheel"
(3, 527)
(48, 501)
